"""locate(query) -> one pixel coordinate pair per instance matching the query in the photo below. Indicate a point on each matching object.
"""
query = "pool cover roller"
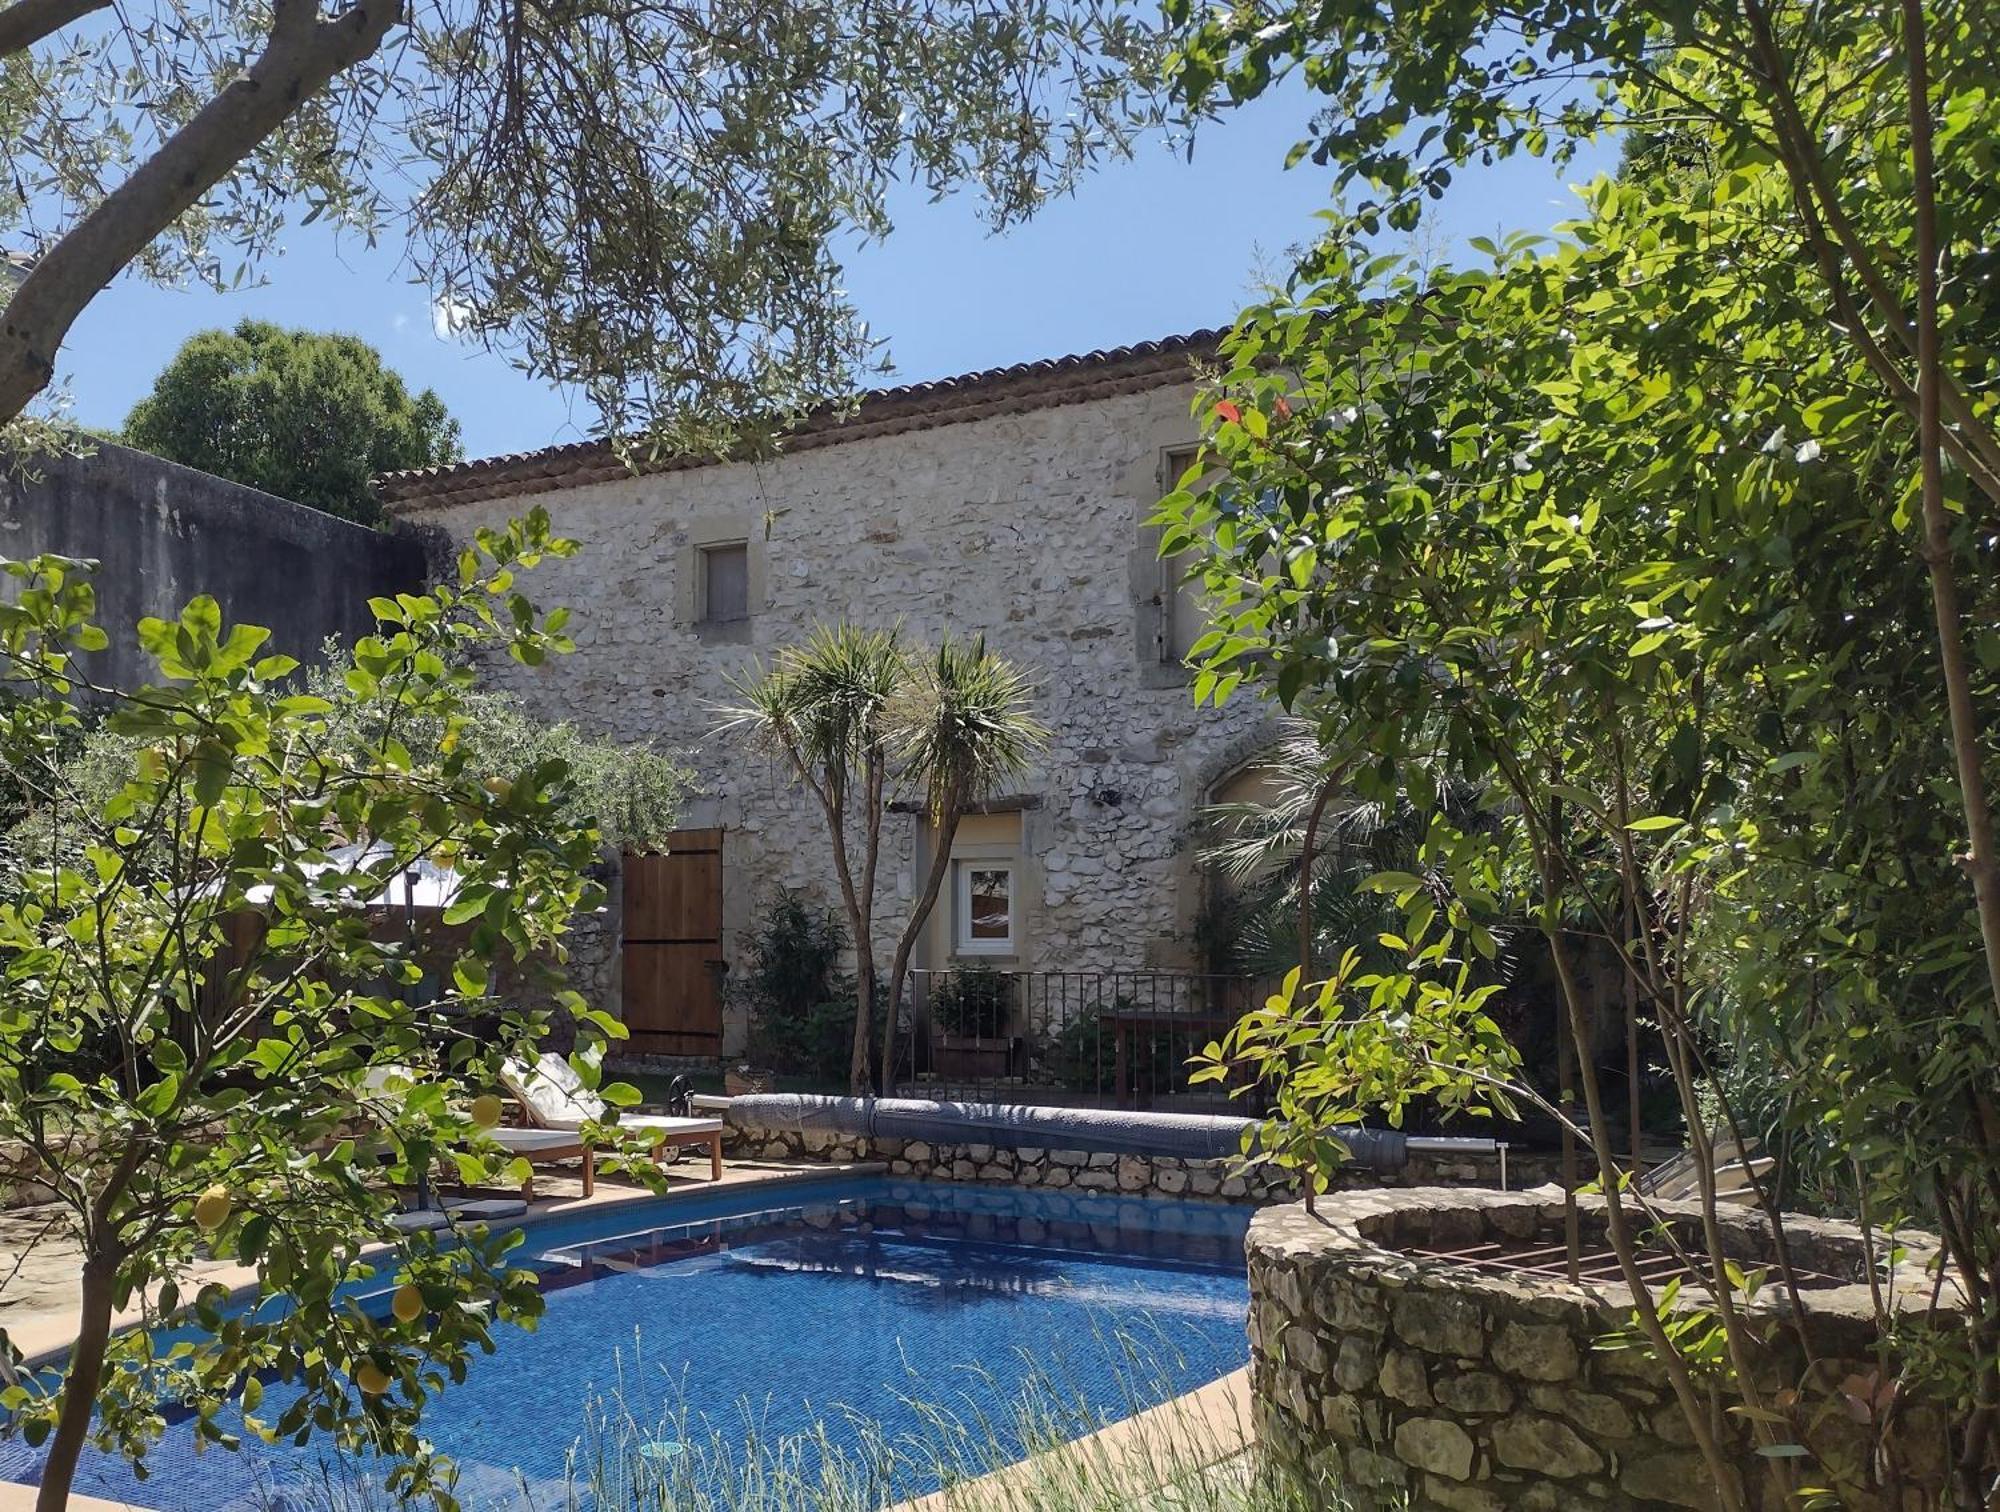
(1187, 1136)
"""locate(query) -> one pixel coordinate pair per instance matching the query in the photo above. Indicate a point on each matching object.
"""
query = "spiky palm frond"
(1264, 837)
(964, 726)
(1256, 847)
(824, 703)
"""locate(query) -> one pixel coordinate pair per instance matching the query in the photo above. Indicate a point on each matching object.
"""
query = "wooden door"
(673, 965)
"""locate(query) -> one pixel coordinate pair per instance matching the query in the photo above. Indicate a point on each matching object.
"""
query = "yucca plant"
(964, 732)
(853, 715)
(825, 708)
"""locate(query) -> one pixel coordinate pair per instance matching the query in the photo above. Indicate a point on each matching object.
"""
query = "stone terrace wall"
(1161, 1176)
(1471, 1391)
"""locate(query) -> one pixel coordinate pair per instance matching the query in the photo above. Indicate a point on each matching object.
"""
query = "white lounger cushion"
(533, 1141)
(553, 1094)
(660, 1123)
(556, 1098)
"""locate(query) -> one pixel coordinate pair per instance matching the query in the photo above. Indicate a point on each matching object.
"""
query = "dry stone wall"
(1430, 1385)
(1145, 1175)
(1025, 529)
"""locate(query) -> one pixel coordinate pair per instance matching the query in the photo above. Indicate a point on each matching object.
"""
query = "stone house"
(1008, 503)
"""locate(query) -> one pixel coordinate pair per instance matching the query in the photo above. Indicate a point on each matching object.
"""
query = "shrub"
(794, 959)
(1083, 1054)
(801, 1006)
(814, 1045)
(975, 1001)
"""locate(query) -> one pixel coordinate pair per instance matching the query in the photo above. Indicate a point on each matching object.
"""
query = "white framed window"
(984, 911)
(725, 582)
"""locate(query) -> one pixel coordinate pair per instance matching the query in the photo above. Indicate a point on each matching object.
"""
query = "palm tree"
(852, 716)
(1268, 925)
(964, 731)
(825, 708)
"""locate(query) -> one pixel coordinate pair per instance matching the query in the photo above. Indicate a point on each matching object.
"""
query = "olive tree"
(640, 200)
(211, 1046)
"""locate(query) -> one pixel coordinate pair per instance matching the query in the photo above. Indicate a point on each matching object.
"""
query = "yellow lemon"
(211, 1209)
(409, 1304)
(486, 1110)
(371, 1379)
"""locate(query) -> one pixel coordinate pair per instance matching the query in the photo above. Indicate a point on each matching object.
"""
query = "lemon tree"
(210, 1046)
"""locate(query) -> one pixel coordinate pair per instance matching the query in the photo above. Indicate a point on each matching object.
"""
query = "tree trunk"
(86, 1370)
(913, 929)
(1983, 859)
(864, 1012)
(302, 55)
(858, 926)
(875, 774)
(26, 22)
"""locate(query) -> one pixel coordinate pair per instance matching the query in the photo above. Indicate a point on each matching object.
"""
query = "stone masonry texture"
(1424, 1383)
(1027, 530)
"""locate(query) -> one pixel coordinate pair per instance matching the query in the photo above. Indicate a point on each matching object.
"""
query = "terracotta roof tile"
(880, 412)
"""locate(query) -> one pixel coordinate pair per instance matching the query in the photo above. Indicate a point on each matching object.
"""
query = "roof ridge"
(1035, 384)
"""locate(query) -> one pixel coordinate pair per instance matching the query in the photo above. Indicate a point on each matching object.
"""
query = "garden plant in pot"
(971, 1013)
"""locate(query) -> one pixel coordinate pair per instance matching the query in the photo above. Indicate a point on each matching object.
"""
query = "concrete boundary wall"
(164, 533)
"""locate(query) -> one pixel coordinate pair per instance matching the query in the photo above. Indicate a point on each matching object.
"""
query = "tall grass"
(973, 1450)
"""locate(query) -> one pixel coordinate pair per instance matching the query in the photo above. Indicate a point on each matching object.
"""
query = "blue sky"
(1145, 248)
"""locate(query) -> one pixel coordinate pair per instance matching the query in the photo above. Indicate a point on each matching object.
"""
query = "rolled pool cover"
(1189, 1136)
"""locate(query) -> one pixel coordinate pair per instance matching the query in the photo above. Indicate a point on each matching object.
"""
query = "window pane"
(989, 904)
(726, 590)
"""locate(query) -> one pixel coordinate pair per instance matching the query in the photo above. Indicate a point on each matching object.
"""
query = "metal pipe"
(1444, 1144)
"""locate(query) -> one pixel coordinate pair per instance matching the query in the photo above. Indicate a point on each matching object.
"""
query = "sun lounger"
(1737, 1171)
(553, 1097)
(540, 1146)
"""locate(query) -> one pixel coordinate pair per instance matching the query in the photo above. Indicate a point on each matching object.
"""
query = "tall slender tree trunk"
(864, 926)
(913, 929)
(860, 924)
(86, 1370)
(1983, 860)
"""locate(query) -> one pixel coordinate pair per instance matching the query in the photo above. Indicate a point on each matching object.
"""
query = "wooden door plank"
(672, 994)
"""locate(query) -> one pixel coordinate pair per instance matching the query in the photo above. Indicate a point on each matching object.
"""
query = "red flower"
(1228, 411)
(1283, 409)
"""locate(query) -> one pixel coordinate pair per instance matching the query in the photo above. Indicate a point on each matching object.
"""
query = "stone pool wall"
(1159, 1176)
(1467, 1390)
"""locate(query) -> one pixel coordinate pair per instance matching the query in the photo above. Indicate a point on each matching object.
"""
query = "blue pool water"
(862, 1301)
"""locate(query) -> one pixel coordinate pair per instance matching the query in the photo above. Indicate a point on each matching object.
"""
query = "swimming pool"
(858, 1307)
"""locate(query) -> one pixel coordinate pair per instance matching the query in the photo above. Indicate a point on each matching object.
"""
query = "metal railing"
(1101, 1039)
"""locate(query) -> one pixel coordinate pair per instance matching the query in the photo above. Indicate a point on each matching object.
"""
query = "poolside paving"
(40, 1264)
(1157, 1453)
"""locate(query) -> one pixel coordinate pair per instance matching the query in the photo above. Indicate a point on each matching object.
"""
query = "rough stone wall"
(1025, 529)
(595, 944)
(1161, 1176)
(1426, 1385)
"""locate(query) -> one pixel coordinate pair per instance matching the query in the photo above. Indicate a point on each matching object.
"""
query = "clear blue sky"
(1145, 248)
